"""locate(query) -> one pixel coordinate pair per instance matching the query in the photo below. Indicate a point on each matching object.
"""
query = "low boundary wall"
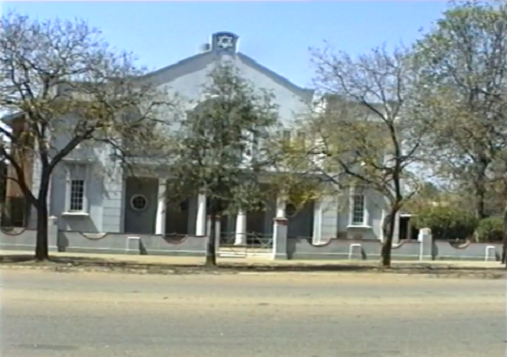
(467, 251)
(297, 248)
(144, 244)
(302, 248)
(24, 239)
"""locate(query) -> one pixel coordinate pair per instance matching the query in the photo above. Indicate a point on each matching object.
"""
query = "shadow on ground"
(71, 264)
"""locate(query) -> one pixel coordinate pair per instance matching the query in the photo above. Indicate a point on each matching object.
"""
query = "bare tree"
(63, 87)
(364, 135)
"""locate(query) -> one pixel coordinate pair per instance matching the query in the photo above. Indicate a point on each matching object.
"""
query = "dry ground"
(249, 315)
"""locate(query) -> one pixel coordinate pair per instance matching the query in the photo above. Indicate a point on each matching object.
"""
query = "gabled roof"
(222, 43)
(305, 93)
(201, 60)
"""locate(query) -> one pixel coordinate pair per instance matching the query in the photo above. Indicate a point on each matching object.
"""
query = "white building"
(84, 200)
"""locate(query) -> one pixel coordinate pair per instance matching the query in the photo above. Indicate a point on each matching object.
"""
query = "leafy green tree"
(490, 229)
(447, 222)
(222, 147)
(462, 94)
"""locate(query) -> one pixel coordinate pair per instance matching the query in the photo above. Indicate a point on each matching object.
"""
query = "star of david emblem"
(225, 41)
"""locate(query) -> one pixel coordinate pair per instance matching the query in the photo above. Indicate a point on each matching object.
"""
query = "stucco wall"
(374, 204)
(370, 250)
(25, 239)
(188, 81)
(131, 244)
(104, 185)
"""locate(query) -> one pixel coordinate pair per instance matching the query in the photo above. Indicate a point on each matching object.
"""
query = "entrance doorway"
(407, 230)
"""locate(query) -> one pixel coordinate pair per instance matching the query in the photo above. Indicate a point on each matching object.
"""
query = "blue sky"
(276, 34)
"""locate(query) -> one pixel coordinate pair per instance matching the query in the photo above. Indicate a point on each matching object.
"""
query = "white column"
(200, 227)
(280, 208)
(366, 204)
(382, 219)
(396, 233)
(240, 238)
(161, 208)
(317, 222)
(208, 226)
(218, 232)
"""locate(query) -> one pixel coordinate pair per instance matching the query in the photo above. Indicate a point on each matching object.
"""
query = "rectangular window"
(301, 137)
(76, 195)
(358, 210)
(286, 135)
(77, 188)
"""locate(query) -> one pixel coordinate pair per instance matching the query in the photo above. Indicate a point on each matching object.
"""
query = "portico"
(147, 200)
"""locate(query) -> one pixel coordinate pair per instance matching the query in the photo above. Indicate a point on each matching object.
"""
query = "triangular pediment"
(223, 44)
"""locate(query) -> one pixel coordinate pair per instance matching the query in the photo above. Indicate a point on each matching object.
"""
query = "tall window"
(301, 137)
(76, 189)
(358, 210)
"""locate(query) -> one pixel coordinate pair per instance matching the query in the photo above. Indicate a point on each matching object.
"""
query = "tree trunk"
(211, 259)
(388, 230)
(480, 189)
(504, 248)
(41, 245)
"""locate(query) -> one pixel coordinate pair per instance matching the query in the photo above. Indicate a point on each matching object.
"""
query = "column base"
(279, 256)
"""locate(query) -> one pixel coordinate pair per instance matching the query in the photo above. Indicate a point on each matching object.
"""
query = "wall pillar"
(200, 227)
(280, 238)
(317, 222)
(161, 208)
(425, 238)
(52, 234)
(240, 237)
(280, 231)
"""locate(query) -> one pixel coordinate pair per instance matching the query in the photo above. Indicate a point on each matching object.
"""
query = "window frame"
(71, 169)
(354, 209)
(133, 198)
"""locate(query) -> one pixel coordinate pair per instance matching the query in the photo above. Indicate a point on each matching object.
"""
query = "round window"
(290, 210)
(138, 202)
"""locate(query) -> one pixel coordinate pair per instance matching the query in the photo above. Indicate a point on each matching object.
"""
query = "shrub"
(447, 222)
(490, 230)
